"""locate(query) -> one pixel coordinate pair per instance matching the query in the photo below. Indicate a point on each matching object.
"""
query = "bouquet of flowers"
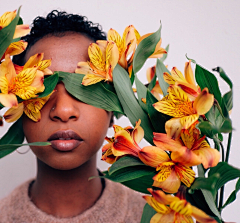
(183, 117)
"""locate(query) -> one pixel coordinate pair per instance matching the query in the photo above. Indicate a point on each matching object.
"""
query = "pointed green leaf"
(160, 70)
(145, 49)
(6, 34)
(130, 105)
(152, 83)
(228, 100)
(204, 79)
(141, 93)
(224, 76)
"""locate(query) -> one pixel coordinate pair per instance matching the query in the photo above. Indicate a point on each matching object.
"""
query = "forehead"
(65, 51)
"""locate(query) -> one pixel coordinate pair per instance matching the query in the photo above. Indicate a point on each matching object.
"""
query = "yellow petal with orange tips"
(33, 60)
(84, 68)
(107, 154)
(189, 76)
(15, 48)
(90, 79)
(160, 208)
(14, 114)
(21, 30)
(203, 102)
(161, 197)
(185, 173)
(102, 44)
(114, 36)
(38, 82)
(138, 132)
(43, 66)
(153, 156)
(7, 18)
(96, 57)
(170, 185)
(8, 100)
(112, 56)
(202, 217)
(163, 218)
(7, 69)
(124, 144)
(187, 121)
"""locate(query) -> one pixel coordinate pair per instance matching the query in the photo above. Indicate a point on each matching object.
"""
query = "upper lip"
(64, 135)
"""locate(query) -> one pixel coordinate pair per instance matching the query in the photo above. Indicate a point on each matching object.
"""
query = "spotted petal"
(14, 114)
(90, 79)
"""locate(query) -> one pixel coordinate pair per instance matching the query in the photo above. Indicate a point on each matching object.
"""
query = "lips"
(65, 141)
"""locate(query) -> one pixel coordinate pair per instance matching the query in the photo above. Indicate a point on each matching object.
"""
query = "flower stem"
(222, 148)
(228, 146)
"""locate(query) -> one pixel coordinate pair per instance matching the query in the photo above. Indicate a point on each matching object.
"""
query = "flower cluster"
(21, 83)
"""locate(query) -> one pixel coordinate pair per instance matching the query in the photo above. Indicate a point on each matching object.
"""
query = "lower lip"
(65, 145)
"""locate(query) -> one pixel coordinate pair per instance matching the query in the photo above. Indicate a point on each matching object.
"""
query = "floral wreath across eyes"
(177, 116)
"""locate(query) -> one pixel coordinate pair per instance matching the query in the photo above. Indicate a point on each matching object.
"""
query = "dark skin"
(62, 187)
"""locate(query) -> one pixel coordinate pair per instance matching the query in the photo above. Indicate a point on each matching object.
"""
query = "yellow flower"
(103, 58)
(189, 149)
(126, 44)
(15, 48)
(172, 209)
(30, 107)
(187, 83)
(185, 112)
(6, 19)
(24, 82)
(170, 174)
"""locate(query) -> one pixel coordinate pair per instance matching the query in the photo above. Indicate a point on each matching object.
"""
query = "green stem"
(221, 198)
(222, 148)
(228, 146)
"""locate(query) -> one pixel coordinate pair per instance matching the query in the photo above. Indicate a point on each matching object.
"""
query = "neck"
(66, 193)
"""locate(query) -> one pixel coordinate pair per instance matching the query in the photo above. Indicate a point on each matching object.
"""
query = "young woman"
(61, 191)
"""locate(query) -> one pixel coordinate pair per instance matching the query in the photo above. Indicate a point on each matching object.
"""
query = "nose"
(64, 106)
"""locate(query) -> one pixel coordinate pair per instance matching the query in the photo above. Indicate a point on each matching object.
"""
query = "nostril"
(56, 117)
(72, 117)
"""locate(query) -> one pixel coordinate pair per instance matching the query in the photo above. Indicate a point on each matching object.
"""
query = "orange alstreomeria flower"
(125, 141)
(185, 112)
(21, 30)
(126, 44)
(30, 107)
(172, 209)
(187, 83)
(24, 82)
(190, 148)
(170, 174)
(104, 57)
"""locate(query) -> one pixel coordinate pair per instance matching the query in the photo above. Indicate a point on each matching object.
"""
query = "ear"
(111, 120)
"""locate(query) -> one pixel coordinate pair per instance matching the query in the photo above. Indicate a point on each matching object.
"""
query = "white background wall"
(207, 30)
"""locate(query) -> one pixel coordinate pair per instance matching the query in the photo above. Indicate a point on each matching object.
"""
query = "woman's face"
(75, 129)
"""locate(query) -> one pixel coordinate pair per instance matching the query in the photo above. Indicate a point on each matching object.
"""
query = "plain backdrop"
(207, 31)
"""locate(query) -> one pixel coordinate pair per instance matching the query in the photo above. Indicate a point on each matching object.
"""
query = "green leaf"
(205, 183)
(6, 34)
(157, 118)
(49, 83)
(228, 100)
(145, 49)
(124, 162)
(227, 173)
(130, 173)
(192, 60)
(140, 184)
(152, 83)
(160, 70)
(148, 212)
(130, 105)
(207, 128)
(224, 76)
(233, 195)
(141, 93)
(204, 79)
(226, 126)
(96, 95)
(164, 57)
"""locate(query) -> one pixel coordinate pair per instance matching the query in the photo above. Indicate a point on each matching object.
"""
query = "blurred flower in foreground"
(103, 58)
(172, 209)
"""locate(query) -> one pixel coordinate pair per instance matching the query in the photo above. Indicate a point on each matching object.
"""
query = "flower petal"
(8, 100)
(13, 114)
(189, 73)
(90, 79)
(114, 36)
(21, 30)
(163, 218)
(201, 216)
(38, 82)
(153, 156)
(173, 128)
(138, 132)
(84, 68)
(164, 142)
(33, 60)
(96, 56)
(160, 208)
(124, 144)
(161, 197)
(203, 102)
(170, 185)
(16, 48)
(187, 121)
(186, 174)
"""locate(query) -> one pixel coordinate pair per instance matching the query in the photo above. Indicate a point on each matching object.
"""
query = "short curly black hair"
(57, 23)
